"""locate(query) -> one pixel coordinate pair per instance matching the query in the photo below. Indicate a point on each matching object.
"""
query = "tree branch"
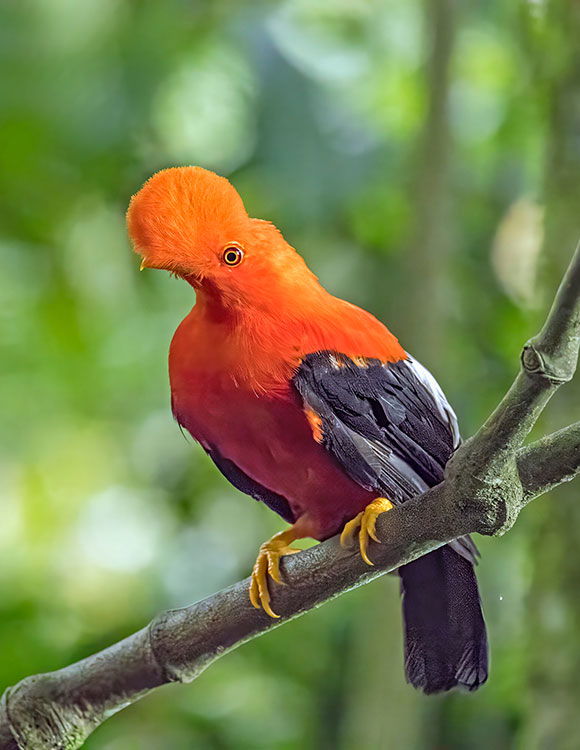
(550, 461)
(548, 360)
(487, 483)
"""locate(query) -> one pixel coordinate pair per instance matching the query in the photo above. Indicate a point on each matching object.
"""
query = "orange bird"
(308, 404)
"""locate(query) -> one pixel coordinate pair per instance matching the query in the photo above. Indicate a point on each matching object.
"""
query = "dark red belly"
(270, 439)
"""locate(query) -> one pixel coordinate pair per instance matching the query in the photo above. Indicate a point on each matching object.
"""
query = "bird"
(310, 405)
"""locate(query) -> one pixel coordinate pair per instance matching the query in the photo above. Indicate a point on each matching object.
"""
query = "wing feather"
(389, 425)
(249, 486)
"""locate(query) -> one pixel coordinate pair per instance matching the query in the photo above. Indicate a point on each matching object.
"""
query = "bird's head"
(192, 222)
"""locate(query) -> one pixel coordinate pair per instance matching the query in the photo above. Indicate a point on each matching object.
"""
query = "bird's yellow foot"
(268, 564)
(365, 524)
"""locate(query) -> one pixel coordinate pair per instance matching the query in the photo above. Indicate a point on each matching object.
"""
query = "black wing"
(392, 429)
(389, 425)
(249, 486)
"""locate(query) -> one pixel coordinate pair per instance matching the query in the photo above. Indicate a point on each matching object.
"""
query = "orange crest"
(180, 212)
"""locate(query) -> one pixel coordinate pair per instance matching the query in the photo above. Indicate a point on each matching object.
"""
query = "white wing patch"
(444, 407)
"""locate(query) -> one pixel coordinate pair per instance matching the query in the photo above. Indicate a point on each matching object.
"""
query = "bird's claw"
(365, 524)
(268, 565)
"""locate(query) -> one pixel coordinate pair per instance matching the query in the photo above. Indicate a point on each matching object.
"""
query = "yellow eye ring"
(232, 255)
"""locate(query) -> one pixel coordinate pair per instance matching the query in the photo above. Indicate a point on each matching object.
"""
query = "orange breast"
(269, 438)
(232, 390)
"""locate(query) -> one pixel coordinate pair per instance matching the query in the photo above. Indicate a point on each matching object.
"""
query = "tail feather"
(445, 634)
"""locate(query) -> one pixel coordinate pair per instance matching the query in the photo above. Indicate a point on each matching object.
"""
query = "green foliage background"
(425, 159)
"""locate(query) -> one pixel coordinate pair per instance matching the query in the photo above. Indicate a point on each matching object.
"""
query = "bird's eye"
(233, 255)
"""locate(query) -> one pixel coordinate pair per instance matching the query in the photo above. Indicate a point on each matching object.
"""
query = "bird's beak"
(147, 263)
(150, 263)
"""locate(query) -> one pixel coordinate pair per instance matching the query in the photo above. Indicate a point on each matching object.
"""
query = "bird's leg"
(268, 563)
(365, 523)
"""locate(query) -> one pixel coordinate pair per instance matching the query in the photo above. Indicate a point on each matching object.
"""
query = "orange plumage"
(183, 218)
(294, 393)
(232, 359)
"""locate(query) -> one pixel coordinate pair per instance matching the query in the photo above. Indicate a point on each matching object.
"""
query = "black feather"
(246, 484)
(388, 406)
(445, 635)
(393, 433)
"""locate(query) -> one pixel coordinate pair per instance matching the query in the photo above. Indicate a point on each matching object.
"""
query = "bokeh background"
(425, 158)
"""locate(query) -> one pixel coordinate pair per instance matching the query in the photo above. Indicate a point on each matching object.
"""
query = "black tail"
(445, 635)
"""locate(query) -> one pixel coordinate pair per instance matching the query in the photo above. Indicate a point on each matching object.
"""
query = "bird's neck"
(260, 347)
(276, 306)
(256, 346)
